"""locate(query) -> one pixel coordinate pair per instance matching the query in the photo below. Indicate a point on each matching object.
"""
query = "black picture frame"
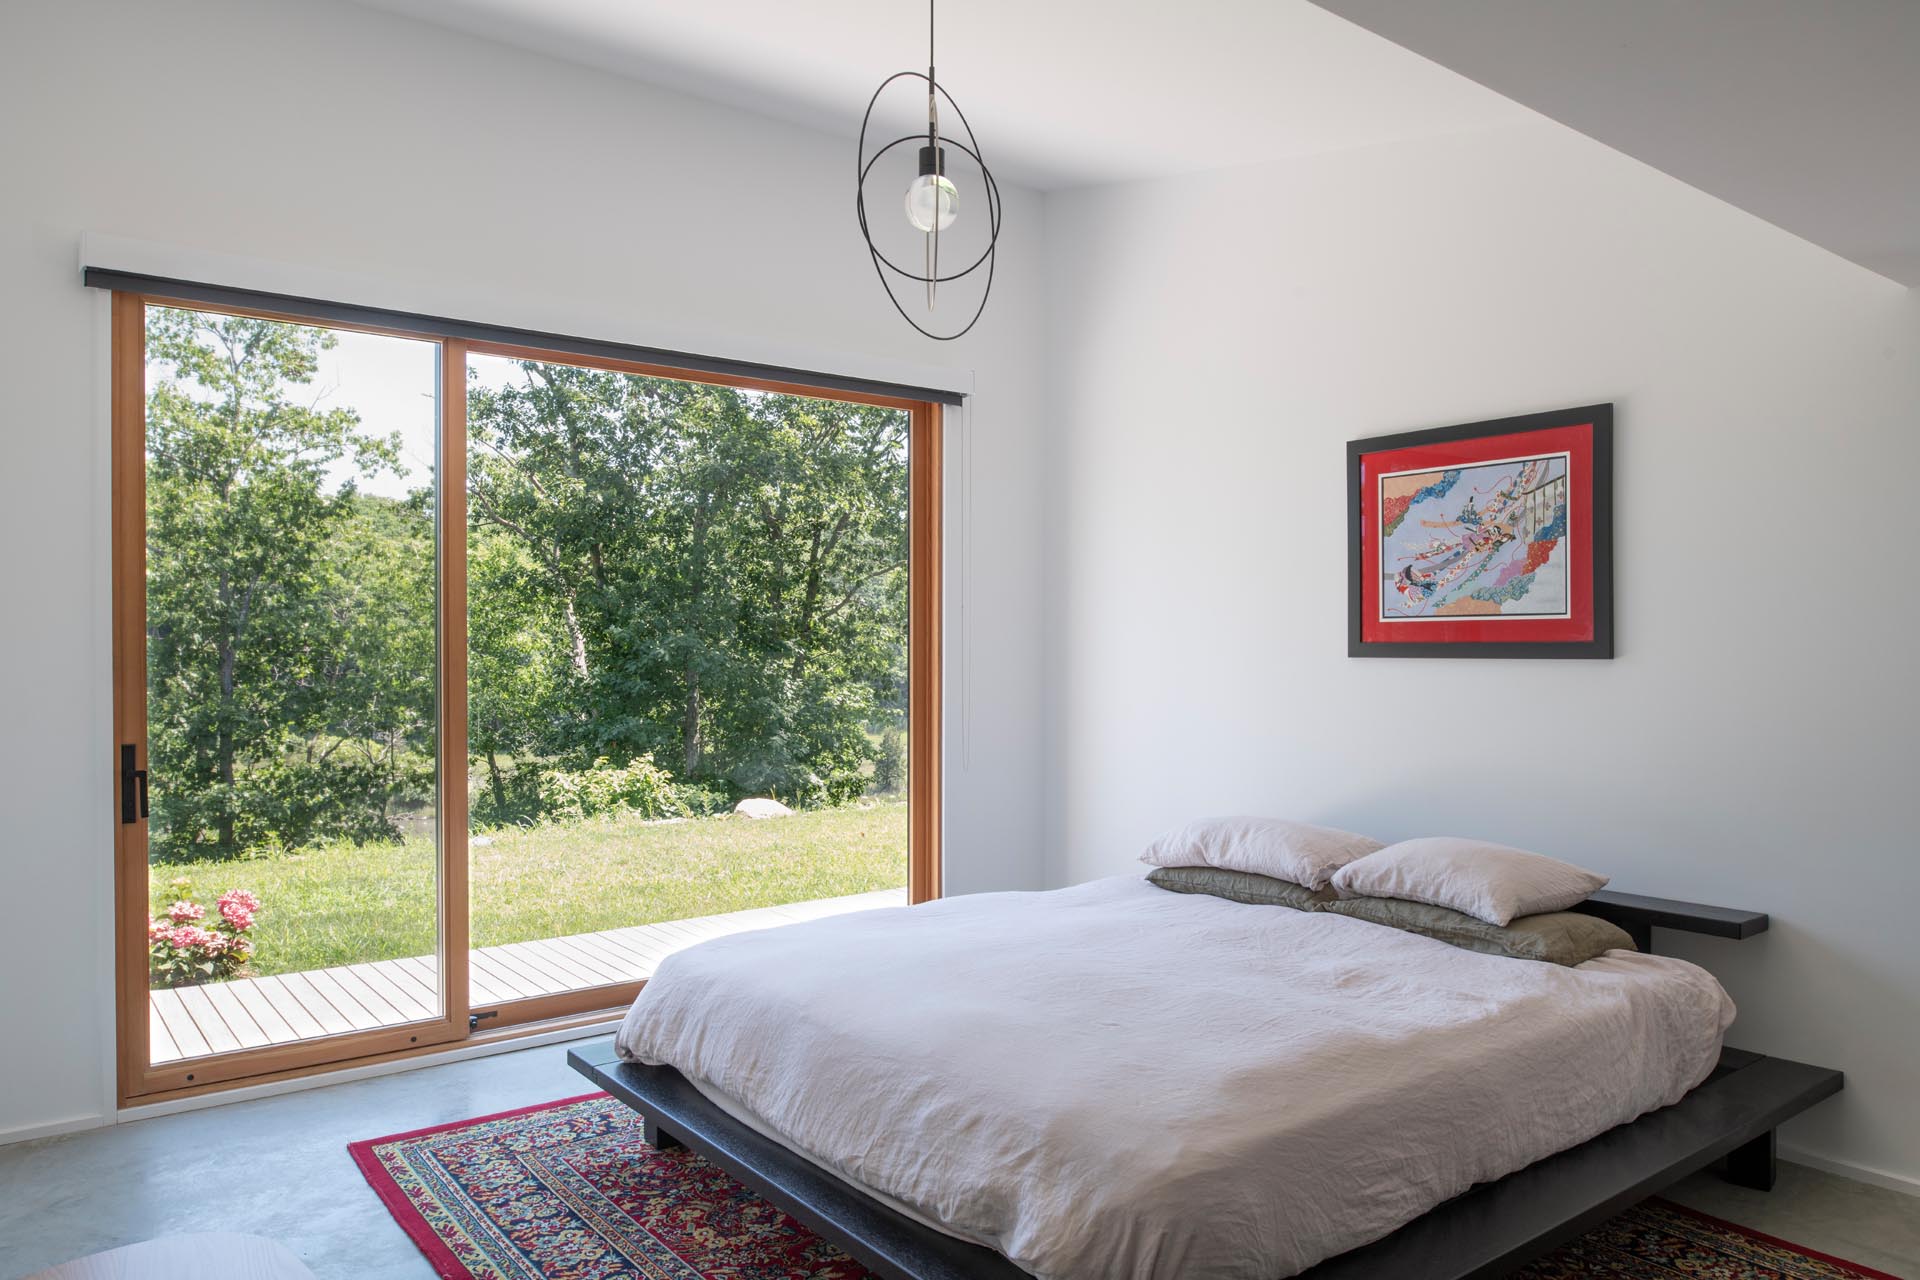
(1600, 416)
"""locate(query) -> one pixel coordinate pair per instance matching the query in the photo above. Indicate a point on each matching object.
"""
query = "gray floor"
(1869, 1225)
(278, 1167)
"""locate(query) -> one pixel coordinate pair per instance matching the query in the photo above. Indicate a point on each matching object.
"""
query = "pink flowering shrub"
(182, 952)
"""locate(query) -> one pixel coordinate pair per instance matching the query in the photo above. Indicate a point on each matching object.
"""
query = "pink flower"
(189, 937)
(154, 928)
(237, 907)
(183, 911)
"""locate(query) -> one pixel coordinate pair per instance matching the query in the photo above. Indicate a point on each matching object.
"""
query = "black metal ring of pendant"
(881, 263)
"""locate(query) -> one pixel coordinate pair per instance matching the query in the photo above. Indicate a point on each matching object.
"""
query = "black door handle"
(133, 787)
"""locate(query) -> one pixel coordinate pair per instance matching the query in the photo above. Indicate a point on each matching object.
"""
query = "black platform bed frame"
(1488, 1231)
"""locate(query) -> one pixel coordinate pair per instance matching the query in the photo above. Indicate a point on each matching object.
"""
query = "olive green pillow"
(1241, 886)
(1559, 937)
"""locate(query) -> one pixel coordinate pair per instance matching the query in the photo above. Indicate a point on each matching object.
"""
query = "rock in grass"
(761, 807)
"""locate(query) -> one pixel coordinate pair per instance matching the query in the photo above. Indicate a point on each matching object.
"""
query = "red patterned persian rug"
(569, 1191)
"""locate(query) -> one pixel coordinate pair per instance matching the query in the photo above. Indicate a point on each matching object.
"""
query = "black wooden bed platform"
(1489, 1231)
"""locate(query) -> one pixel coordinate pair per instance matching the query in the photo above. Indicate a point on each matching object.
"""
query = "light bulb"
(923, 192)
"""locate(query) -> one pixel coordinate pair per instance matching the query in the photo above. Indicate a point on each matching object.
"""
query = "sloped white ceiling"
(1803, 112)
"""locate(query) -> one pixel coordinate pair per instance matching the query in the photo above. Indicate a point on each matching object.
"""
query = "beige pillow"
(1489, 882)
(1240, 886)
(1557, 937)
(1274, 847)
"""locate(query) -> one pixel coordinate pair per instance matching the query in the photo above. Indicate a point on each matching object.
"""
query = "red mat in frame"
(1487, 539)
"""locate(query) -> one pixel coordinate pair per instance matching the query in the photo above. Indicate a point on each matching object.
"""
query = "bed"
(1112, 1080)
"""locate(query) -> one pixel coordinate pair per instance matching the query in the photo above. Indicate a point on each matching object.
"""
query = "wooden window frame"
(140, 1082)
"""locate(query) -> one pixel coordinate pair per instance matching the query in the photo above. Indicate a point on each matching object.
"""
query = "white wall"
(472, 180)
(1219, 338)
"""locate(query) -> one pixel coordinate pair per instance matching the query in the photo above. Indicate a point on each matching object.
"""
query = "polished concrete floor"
(278, 1167)
(1865, 1224)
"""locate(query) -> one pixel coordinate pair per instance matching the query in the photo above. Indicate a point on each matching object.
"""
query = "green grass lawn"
(346, 905)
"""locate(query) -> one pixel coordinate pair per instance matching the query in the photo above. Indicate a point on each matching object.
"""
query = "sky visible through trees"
(678, 594)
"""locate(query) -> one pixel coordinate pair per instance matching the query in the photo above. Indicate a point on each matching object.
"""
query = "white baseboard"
(53, 1128)
(1846, 1169)
(458, 1053)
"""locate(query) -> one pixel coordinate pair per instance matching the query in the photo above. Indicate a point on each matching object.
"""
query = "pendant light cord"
(939, 170)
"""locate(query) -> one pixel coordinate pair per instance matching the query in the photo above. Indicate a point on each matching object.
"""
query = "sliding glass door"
(688, 668)
(279, 694)
(457, 683)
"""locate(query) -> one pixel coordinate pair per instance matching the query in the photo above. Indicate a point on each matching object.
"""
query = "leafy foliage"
(700, 575)
(890, 766)
(289, 621)
(707, 583)
(637, 788)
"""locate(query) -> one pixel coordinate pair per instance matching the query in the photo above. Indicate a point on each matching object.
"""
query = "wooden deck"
(250, 1013)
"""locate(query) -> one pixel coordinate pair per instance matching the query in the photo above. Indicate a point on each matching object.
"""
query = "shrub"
(701, 800)
(638, 787)
(182, 951)
(288, 803)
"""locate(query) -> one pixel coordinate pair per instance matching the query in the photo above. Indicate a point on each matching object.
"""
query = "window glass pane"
(291, 684)
(680, 598)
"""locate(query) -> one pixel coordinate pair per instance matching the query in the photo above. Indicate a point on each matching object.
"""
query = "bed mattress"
(1116, 1081)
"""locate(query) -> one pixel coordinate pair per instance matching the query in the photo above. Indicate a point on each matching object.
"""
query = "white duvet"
(1117, 1081)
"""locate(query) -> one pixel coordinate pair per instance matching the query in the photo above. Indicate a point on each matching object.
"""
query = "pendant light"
(932, 201)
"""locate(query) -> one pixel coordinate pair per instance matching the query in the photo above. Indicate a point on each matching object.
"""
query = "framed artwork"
(1486, 540)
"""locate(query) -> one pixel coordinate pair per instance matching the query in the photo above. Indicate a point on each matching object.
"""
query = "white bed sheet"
(1117, 1081)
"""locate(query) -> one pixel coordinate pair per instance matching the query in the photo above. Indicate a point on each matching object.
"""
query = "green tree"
(371, 742)
(824, 550)
(243, 618)
(516, 672)
(726, 569)
(711, 578)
